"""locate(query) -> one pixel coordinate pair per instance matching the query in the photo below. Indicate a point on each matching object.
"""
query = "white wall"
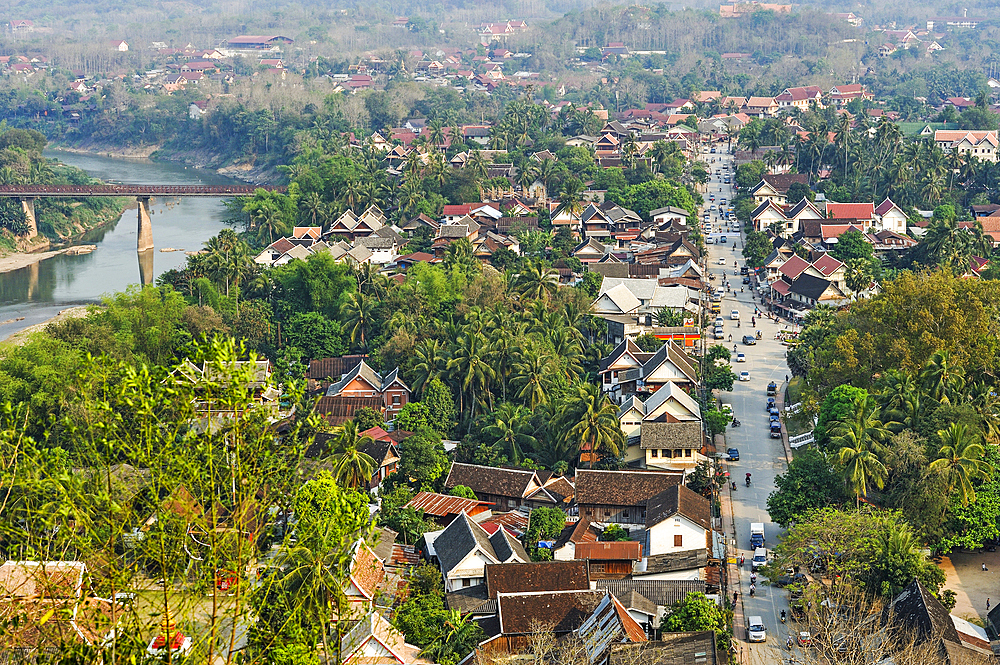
(661, 536)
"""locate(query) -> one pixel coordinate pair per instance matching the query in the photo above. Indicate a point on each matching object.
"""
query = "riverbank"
(21, 336)
(18, 260)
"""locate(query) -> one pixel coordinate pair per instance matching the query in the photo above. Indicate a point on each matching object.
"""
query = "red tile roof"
(366, 571)
(850, 210)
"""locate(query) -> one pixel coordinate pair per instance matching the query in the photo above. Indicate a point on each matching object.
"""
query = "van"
(759, 558)
(756, 631)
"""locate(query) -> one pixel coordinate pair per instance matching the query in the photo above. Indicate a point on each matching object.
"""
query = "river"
(41, 291)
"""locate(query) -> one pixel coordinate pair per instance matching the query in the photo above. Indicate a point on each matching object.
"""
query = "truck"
(756, 535)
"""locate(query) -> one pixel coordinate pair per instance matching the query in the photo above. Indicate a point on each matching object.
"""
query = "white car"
(722, 260)
(741, 357)
(744, 376)
(756, 632)
(734, 315)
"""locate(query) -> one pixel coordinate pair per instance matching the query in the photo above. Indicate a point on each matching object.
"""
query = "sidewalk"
(733, 571)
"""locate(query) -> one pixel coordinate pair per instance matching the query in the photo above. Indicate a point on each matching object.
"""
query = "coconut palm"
(590, 421)
(860, 438)
(531, 375)
(942, 379)
(461, 635)
(960, 460)
(429, 364)
(357, 313)
(352, 467)
(510, 430)
(536, 281)
(315, 577)
(470, 366)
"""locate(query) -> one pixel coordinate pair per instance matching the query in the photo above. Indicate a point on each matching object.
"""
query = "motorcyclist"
(731, 339)
(753, 589)
(788, 642)
(782, 616)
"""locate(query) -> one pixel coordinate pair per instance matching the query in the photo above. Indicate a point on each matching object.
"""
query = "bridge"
(27, 194)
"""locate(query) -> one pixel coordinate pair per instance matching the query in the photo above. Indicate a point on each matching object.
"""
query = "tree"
(852, 245)
(695, 613)
(960, 459)
(536, 281)
(366, 418)
(757, 248)
(511, 431)
(590, 421)
(798, 191)
(357, 311)
(716, 421)
(463, 491)
(648, 342)
(614, 533)
(422, 459)
(839, 405)
(440, 405)
(810, 483)
(544, 524)
(315, 335)
(720, 377)
(859, 440)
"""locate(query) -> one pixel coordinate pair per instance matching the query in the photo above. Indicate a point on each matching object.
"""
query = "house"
(610, 560)
(841, 95)
(620, 496)
(375, 640)
(21, 26)
(668, 364)
(519, 616)
(591, 250)
(257, 43)
(761, 106)
(382, 449)
(890, 217)
(774, 187)
(807, 291)
(581, 531)
(119, 45)
(916, 616)
(537, 576)
(671, 649)
(464, 548)
(800, 98)
(363, 580)
(667, 428)
(979, 144)
(323, 372)
(860, 214)
(678, 519)
(661, 594)
(363, 386)
(610, 624)
(503, 488)
(443, 508)
(669, 216)
(45, 607)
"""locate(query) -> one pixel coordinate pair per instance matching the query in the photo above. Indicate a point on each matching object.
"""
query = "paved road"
(760, 455)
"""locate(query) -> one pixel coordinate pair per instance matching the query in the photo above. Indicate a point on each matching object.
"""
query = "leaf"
(46, 616)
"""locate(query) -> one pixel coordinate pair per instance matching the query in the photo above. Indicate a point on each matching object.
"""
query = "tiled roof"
(366, 570)
(850, 210)
(827, 264)
(564, 611)
(610, 551)
(337, 410)
(793, 267)
(809, 286)
(49, 579)
(490, 480)
(782, 181)
(579, 532)
(886, 206)
(543, 576)
(621, 488)
(679, 500)
(671, 649)
(333, 368)
(458, 539)
(506, 547)
(660, 435)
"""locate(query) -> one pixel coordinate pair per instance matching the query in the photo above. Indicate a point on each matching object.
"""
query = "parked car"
(733, 454)
(775, 430)
(772, 388)
(785, 580)
(770, 404)
(749, 340)
(741, 357)
(744, 375)
(744, 270)
(774, 413)
(756, 630)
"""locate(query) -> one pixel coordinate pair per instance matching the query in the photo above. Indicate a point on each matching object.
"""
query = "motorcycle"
(748, 482)
(758, 334)
(782, 616)
(735, 423)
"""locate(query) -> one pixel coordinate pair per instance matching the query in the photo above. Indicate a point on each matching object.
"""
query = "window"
(653, 452)
(607, 513)
(511, 503)
(678, 540)
(395, 400)
(687, 452)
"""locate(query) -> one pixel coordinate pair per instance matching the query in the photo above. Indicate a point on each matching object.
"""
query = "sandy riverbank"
(21, 336)
(17, 261)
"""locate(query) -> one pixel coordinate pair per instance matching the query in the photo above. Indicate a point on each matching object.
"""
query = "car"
(746, 280)
(741, 357)
(775, 430)
(722, 202)
(744, 375)
(785, 580)
(722, 259)
(711, 207)
(749, 340)
(733, 454)
(744, 270)
(755, 629)
(772, 389)
(772, 418)
(804, 639)
(770, 404)
(723, 239)
(734, 315)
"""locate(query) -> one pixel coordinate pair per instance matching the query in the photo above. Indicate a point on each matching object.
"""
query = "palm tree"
(960, 460)
(357, 313)
(470, 366)
(532, 373)
(435, 133)
(314, 576)
(536, 281)
(462, 634)
(941, 379)
(352, 467)
(590, 421)
(429, 364)
(312, 208)
(509, 431)
(476, 163)
(859, 438)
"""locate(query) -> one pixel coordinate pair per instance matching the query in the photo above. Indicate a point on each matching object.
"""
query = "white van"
(756, 631)
(759, 558)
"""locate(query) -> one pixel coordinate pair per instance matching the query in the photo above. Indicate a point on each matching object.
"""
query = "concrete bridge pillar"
(28, 207)
(145, 235)
(146, 267)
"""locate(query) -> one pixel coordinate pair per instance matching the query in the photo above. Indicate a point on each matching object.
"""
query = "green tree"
(614, 533)
(590, 421)
(859, 443)
(852, 245)
(463, 491)
(315, 335)
(811, 482)
(352, 467)
(960, 459)
(422, 460)
(756, 248)
(440, 405)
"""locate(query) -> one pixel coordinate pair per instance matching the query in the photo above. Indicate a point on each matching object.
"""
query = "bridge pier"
(146, 267)
(28, 207)
(145, 235)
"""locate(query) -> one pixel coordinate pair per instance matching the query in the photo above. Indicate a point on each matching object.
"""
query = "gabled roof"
(668, 391)
(780, 182)
(672, 352)
(491, 480)
(850, 210)
(622, 298)
(542, 576)
(810, 286)
(375, 627)
(662, 592)
(322, 368)
(769, 203)
(799, 207)
(917, 611)
(564, 611)
(610, 623)
(626, 346)
(366, 570)
(622, 488)
(793, 267)
(885, 207)
(506, 547)
(580, 532)
(827, 264)
(679, 500)
(458, 540)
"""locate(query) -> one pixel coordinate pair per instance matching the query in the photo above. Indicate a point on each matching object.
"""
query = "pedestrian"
(735, 596)
(987, 604)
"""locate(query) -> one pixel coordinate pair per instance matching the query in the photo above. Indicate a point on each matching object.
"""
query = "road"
(760, 455)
